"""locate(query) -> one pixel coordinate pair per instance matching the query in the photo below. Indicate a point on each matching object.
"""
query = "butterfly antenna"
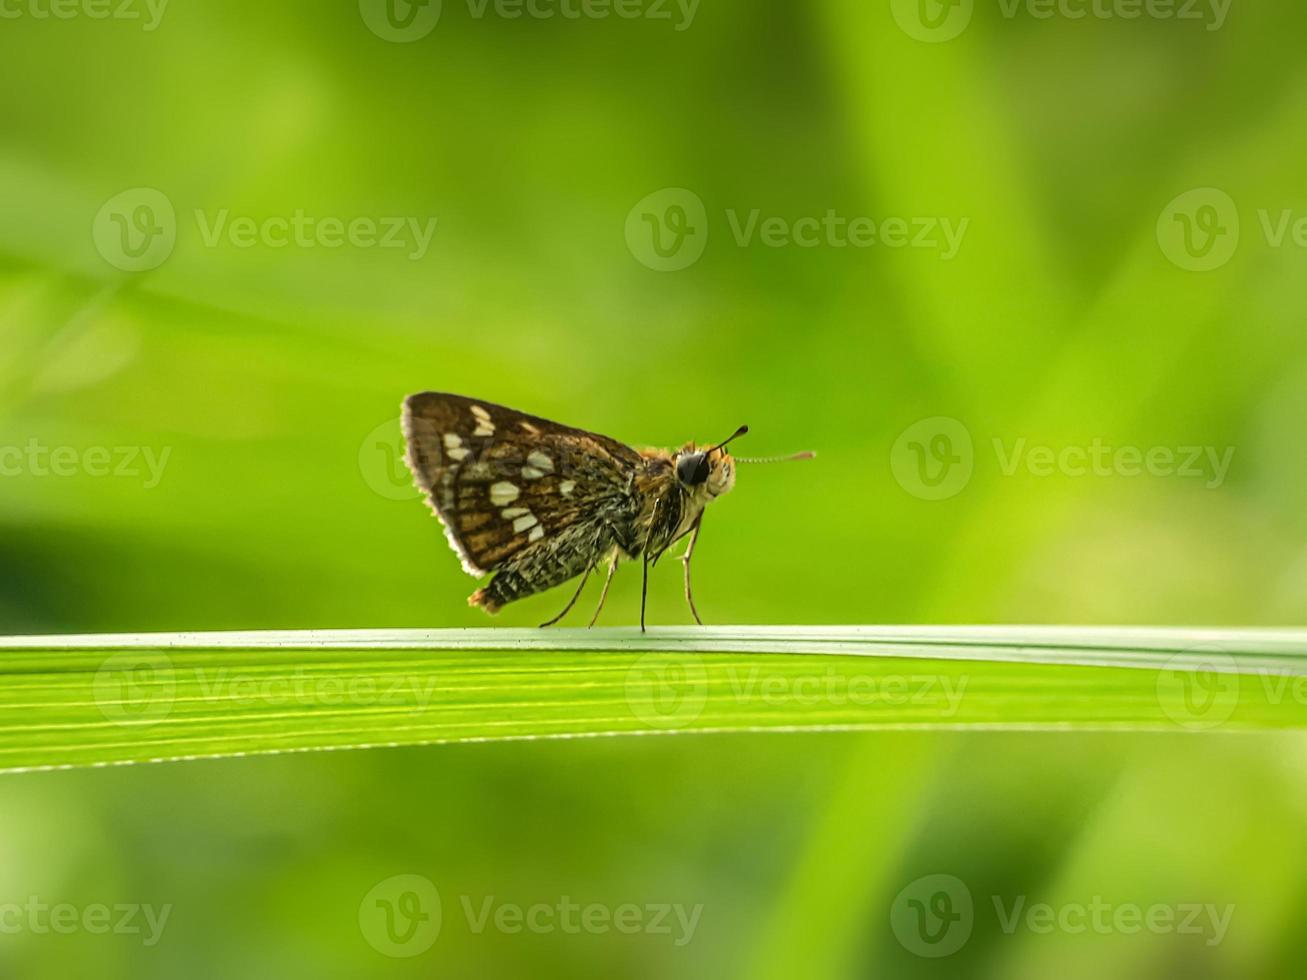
(806, 454)
(734, 435)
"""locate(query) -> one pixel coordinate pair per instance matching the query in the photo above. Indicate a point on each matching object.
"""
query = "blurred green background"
(1092, 300)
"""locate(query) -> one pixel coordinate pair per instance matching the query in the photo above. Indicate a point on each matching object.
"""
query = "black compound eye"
(692, 469)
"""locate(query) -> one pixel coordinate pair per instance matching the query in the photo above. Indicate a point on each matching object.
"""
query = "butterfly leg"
(644, 588)
(571, 602)
(644, 560)
(603, 596)
(689, 553)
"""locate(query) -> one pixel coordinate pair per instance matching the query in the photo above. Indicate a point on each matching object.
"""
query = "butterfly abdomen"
(550, 563)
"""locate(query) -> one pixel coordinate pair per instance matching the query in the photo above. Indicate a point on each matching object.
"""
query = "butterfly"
(536, 503)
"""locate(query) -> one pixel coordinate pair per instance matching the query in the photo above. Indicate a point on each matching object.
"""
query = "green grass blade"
(96, 700)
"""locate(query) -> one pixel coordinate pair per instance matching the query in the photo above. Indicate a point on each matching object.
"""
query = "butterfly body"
(537, 503)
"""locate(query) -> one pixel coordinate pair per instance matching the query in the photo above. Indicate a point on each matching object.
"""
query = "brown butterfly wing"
(502, 481)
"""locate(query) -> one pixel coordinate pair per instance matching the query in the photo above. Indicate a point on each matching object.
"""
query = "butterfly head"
(709, 472)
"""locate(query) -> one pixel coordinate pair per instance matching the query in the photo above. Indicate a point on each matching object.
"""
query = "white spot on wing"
(537, 533)
(484, 426)
(508, 513)
(503, 493)
(531, 473)
(525, 521)
(454, 447)
(566, 487)
(541, 462)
